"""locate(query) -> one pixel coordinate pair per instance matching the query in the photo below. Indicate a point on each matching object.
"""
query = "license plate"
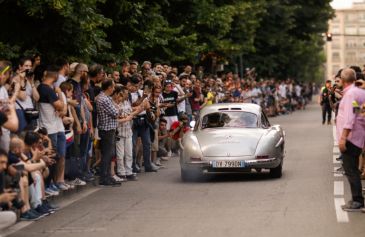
(228, 164)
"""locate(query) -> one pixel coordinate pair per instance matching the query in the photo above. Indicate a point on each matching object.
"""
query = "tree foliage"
(280, 38)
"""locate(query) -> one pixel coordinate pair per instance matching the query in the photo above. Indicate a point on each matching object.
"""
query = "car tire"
(276, 172)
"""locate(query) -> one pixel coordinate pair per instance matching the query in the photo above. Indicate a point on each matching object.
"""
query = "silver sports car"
(232, 138)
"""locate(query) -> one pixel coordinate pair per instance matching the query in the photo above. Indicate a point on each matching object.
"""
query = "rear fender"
(271, 144)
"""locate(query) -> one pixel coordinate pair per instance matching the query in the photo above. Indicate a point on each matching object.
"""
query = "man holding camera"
(177, 131)
(141, 126)
(325, 103)
(28, 93)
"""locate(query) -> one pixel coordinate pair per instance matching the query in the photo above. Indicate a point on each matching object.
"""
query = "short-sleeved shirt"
(175, 125)
(125, 129)
(170, 98)
(48, 116)
(60, 80)
(27, 103)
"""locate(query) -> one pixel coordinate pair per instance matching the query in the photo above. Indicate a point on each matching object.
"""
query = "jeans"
(107, 148)
(124, 156)
(59, 143)
(326, 109)
(143, 131)
(84, 145)
(350, 165)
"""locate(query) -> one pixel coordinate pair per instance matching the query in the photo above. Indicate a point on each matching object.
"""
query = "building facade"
(348, 39)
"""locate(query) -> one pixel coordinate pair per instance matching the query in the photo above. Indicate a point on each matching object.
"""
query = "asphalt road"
(301, 203)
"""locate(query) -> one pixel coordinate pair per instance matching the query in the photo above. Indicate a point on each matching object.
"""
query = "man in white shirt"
(64, 68)
(282, 89)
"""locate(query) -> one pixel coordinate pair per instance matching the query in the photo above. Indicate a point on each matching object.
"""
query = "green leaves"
(278, 37)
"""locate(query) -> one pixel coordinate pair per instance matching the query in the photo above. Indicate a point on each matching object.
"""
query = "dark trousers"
(107, 148)
(142, 130)
(350, 165)
(84, 144)
(326, 109)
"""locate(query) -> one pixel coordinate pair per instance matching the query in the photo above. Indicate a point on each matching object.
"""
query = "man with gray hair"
(350, 136)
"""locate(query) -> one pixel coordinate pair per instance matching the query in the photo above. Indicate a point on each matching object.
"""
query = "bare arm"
(35, 94)
(13, 123)
(59, 105)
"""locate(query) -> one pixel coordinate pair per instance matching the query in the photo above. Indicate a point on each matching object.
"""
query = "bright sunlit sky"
(343, 3)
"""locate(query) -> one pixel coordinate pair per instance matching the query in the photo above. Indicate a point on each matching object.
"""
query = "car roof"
(246, 107)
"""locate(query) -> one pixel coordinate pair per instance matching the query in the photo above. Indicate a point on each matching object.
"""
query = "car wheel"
(277, 172)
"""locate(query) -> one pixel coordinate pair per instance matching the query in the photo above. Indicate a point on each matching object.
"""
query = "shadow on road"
(230, 178)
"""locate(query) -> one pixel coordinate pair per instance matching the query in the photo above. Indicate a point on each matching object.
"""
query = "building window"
(350, 57)
(361, 16)
(350, 44)
(362, 57)
(336, 56)
(336, 30)
(362, 30)
(350, 30)
(351, 17)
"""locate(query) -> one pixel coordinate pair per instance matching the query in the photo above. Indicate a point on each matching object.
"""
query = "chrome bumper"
(253, 163)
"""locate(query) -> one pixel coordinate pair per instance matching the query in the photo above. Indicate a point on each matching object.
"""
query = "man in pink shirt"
(351, 136)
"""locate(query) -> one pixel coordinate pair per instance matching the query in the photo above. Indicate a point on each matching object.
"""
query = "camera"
(12, 182)
(29, 73)
(153, 107)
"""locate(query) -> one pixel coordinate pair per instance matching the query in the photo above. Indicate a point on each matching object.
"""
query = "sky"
(343, 3)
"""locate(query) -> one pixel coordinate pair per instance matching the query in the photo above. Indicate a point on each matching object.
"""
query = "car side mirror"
(192, 124)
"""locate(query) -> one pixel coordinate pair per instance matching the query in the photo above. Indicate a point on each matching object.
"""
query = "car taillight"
(262, 157)
(195, 158)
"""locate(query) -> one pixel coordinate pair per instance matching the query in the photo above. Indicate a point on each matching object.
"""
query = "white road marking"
(338, 186)
(336, 150)
(335, 161)
(335, 173)
(62, 204)
(334, 133)
(341, 215)
(338, 189)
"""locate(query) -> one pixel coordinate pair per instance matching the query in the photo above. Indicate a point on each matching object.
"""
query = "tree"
(289, 42)
(56, 28)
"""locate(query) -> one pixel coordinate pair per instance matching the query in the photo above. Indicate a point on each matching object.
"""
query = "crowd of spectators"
(64, 124)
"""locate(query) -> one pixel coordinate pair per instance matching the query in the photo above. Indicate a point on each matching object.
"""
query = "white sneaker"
(164, 158)
(169, 153)
(78, 182)
(158, 162)
(117, 179)
(70, 184)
